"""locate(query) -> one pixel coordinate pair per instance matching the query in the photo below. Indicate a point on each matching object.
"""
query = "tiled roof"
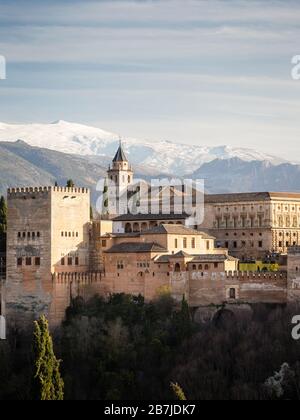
(150, 217)
(205, 258)
(210, 258)
(132, 247)
(180, 254)
(176, 230)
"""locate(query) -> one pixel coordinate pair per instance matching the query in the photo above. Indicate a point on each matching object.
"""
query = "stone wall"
(201, 289)
(44, 225)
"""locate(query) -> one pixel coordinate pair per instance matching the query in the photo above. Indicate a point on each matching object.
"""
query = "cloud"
(207, 67)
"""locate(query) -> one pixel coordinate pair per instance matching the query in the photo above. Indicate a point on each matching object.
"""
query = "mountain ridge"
(83, 140)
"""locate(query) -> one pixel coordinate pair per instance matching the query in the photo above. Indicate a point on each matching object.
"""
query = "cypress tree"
(70, 183)
(178, 392)
(3, 215)
(47, 375)
(105, 201)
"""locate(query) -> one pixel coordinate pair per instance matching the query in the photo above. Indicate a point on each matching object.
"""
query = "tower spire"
(120, 155)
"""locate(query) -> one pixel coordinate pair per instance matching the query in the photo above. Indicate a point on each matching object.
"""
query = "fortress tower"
(47, 233)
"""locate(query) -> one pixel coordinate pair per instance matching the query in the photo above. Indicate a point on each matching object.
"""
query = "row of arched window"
(197, 267)
(69, 234)
(29, 235)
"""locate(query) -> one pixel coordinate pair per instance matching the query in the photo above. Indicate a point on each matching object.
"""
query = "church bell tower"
(120, 172)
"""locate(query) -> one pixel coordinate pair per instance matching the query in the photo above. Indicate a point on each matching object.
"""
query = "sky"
(191, 71)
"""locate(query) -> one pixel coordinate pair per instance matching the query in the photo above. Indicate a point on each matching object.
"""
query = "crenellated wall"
(47, 232)
(27, 190)
(202, 289)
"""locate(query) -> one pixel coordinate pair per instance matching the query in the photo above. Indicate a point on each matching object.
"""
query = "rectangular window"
(193, 243)
(37, 261)
(28, 261)
(260, 244)
(62, 261)
(120, 265)
(38, 234)
(19, 234)
(216, 265)
(234, 244)
(20, 261)
(176, 243)
(184, 242)
(104, 244)
(280, 244)
(226, 244)
(232, 294)
(76, 261)
(70, 261)
(207, 245)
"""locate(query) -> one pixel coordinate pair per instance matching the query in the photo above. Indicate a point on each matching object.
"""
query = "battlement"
(27, 190)
(42, 190)
(78, 278)
(74, 190)
(240, 275)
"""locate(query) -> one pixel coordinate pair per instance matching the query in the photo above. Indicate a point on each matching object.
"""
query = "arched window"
(136, 227)
(128, 228)
(177, 268)
(206, 267)
(200, 267)
(194, 267)
(153, 224)
(144, 226)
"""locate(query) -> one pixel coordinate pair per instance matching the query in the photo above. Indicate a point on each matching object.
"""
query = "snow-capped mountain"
(171, 158)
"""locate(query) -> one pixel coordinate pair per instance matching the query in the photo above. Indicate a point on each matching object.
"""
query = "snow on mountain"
(169, 157)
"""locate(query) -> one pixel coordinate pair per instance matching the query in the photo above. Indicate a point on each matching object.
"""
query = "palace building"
(55, 252)
(253, 225)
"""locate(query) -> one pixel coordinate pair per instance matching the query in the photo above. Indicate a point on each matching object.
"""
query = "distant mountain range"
(164, 156)
(23, 165)
(35, 155)
(236, 175)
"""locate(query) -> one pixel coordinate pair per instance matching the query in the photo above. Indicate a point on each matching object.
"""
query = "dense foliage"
(125, 348)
